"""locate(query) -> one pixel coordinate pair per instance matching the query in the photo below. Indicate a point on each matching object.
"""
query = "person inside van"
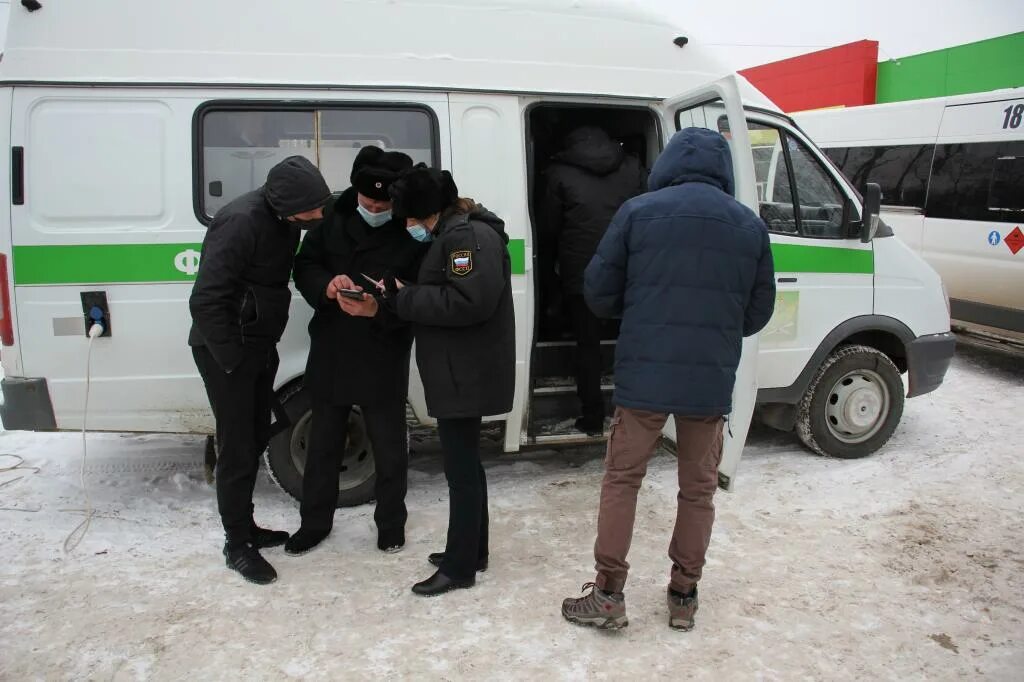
(689, 271)
(355, 360)
(586, 183)
(239, 307)
(462, 316)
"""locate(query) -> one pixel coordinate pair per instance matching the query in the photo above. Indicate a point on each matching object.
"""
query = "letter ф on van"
(488, 108)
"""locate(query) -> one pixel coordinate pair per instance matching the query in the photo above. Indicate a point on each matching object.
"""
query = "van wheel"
(286, 456)
(853, 405)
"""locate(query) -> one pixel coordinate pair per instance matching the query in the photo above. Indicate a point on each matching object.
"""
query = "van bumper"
(27, 405)
(928, 359)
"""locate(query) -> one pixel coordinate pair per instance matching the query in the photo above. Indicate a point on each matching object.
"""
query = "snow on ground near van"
(908, 564)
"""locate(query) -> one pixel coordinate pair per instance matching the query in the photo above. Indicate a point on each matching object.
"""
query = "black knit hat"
(374, 170)
(421, 192)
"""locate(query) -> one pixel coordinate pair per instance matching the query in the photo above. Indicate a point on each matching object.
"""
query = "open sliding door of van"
(718, 106)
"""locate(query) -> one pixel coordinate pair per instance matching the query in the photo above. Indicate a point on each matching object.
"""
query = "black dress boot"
(305, 540)
(391, 540)
(437, 557)
(439, 583)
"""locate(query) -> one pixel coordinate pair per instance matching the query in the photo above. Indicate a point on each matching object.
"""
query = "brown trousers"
(634, 435)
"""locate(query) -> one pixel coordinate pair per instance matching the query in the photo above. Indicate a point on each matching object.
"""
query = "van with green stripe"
(126, 134)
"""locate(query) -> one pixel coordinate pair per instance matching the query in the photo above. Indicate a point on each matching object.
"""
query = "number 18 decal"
(1013, 116)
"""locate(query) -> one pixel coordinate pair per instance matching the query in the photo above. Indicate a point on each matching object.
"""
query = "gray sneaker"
(681, 611)
(598, 609)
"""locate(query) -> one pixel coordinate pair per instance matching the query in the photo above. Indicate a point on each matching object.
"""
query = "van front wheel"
(286, 456)
(853, 405)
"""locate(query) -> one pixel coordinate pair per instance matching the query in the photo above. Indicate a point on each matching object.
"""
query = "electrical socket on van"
(96, 311)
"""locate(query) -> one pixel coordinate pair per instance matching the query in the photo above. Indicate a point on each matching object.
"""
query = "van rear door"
(718, 106)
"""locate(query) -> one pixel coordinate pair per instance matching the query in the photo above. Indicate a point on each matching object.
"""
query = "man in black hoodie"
(239, 308)
(586, 184)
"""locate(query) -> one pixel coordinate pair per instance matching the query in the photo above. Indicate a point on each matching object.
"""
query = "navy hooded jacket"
(689, 270)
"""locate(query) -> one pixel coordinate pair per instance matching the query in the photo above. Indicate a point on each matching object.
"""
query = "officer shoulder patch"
(461, 262)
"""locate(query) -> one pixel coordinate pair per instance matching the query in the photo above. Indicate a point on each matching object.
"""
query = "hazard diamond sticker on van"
(1015, 240)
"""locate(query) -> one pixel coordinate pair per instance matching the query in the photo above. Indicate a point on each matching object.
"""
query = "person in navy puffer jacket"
(689, 271)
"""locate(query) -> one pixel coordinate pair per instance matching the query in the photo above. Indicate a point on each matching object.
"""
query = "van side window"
(901, 171)
(818, 198)
(239, 144)
(1006, 192)
(783, 164)
(977, 181)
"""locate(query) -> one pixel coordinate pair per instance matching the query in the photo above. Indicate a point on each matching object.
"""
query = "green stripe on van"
(823, 259)
(105, 263)
(141, 263)
(134, 263)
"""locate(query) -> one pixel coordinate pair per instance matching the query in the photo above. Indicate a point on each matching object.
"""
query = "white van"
(131, 125)
(951, 171)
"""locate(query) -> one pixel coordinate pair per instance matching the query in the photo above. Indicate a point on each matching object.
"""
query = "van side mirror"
(872, 207)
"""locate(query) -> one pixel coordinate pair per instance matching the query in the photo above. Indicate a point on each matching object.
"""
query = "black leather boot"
(437, 557)
(439, 583)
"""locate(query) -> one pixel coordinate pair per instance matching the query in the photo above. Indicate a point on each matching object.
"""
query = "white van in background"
(124, 140)
(951, 171)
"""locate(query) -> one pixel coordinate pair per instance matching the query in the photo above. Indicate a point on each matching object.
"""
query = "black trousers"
(388, 434)
(467, 491)
(587, 329)
(241, 404)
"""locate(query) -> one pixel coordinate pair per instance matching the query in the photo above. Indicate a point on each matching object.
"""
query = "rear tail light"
(6, 323)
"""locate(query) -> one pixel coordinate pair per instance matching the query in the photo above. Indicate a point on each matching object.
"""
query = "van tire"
(853, 405)
(286, 454)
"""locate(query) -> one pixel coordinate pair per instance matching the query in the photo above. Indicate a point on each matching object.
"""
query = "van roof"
(589, 47)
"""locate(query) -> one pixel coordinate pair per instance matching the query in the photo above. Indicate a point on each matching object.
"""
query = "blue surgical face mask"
(419, 232)
(373, 219)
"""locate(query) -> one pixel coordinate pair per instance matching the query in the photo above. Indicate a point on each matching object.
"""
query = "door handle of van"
(17, 175)
(787, 280)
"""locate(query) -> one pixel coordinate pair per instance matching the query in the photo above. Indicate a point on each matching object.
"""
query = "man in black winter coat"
(586, 184)
(239, 307)
(357, 360)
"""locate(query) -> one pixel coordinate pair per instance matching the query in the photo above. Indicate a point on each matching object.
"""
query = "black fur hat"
(422, 192)
(374, 170)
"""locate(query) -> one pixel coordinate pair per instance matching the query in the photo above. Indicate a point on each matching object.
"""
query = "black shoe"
(437, 557)
(248, 561)
(439, 583)
(304, 540)
(591, 427)
(391, 541)
(264, 537)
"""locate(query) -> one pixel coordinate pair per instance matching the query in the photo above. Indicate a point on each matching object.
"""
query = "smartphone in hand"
(354, 294)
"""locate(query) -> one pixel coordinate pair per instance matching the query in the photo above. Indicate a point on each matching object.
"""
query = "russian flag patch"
(461, 262)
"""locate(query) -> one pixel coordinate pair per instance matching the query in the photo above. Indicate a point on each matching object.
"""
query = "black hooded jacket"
(586, 184)
(241, 297)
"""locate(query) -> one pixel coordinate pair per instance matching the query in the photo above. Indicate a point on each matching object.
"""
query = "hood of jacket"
(295, 186)
(591, 149)
(468, 210)
(694, 155)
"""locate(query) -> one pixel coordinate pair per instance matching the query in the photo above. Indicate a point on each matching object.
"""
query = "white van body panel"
(145, 378)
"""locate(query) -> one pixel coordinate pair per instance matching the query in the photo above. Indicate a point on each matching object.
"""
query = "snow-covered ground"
(905, 565)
